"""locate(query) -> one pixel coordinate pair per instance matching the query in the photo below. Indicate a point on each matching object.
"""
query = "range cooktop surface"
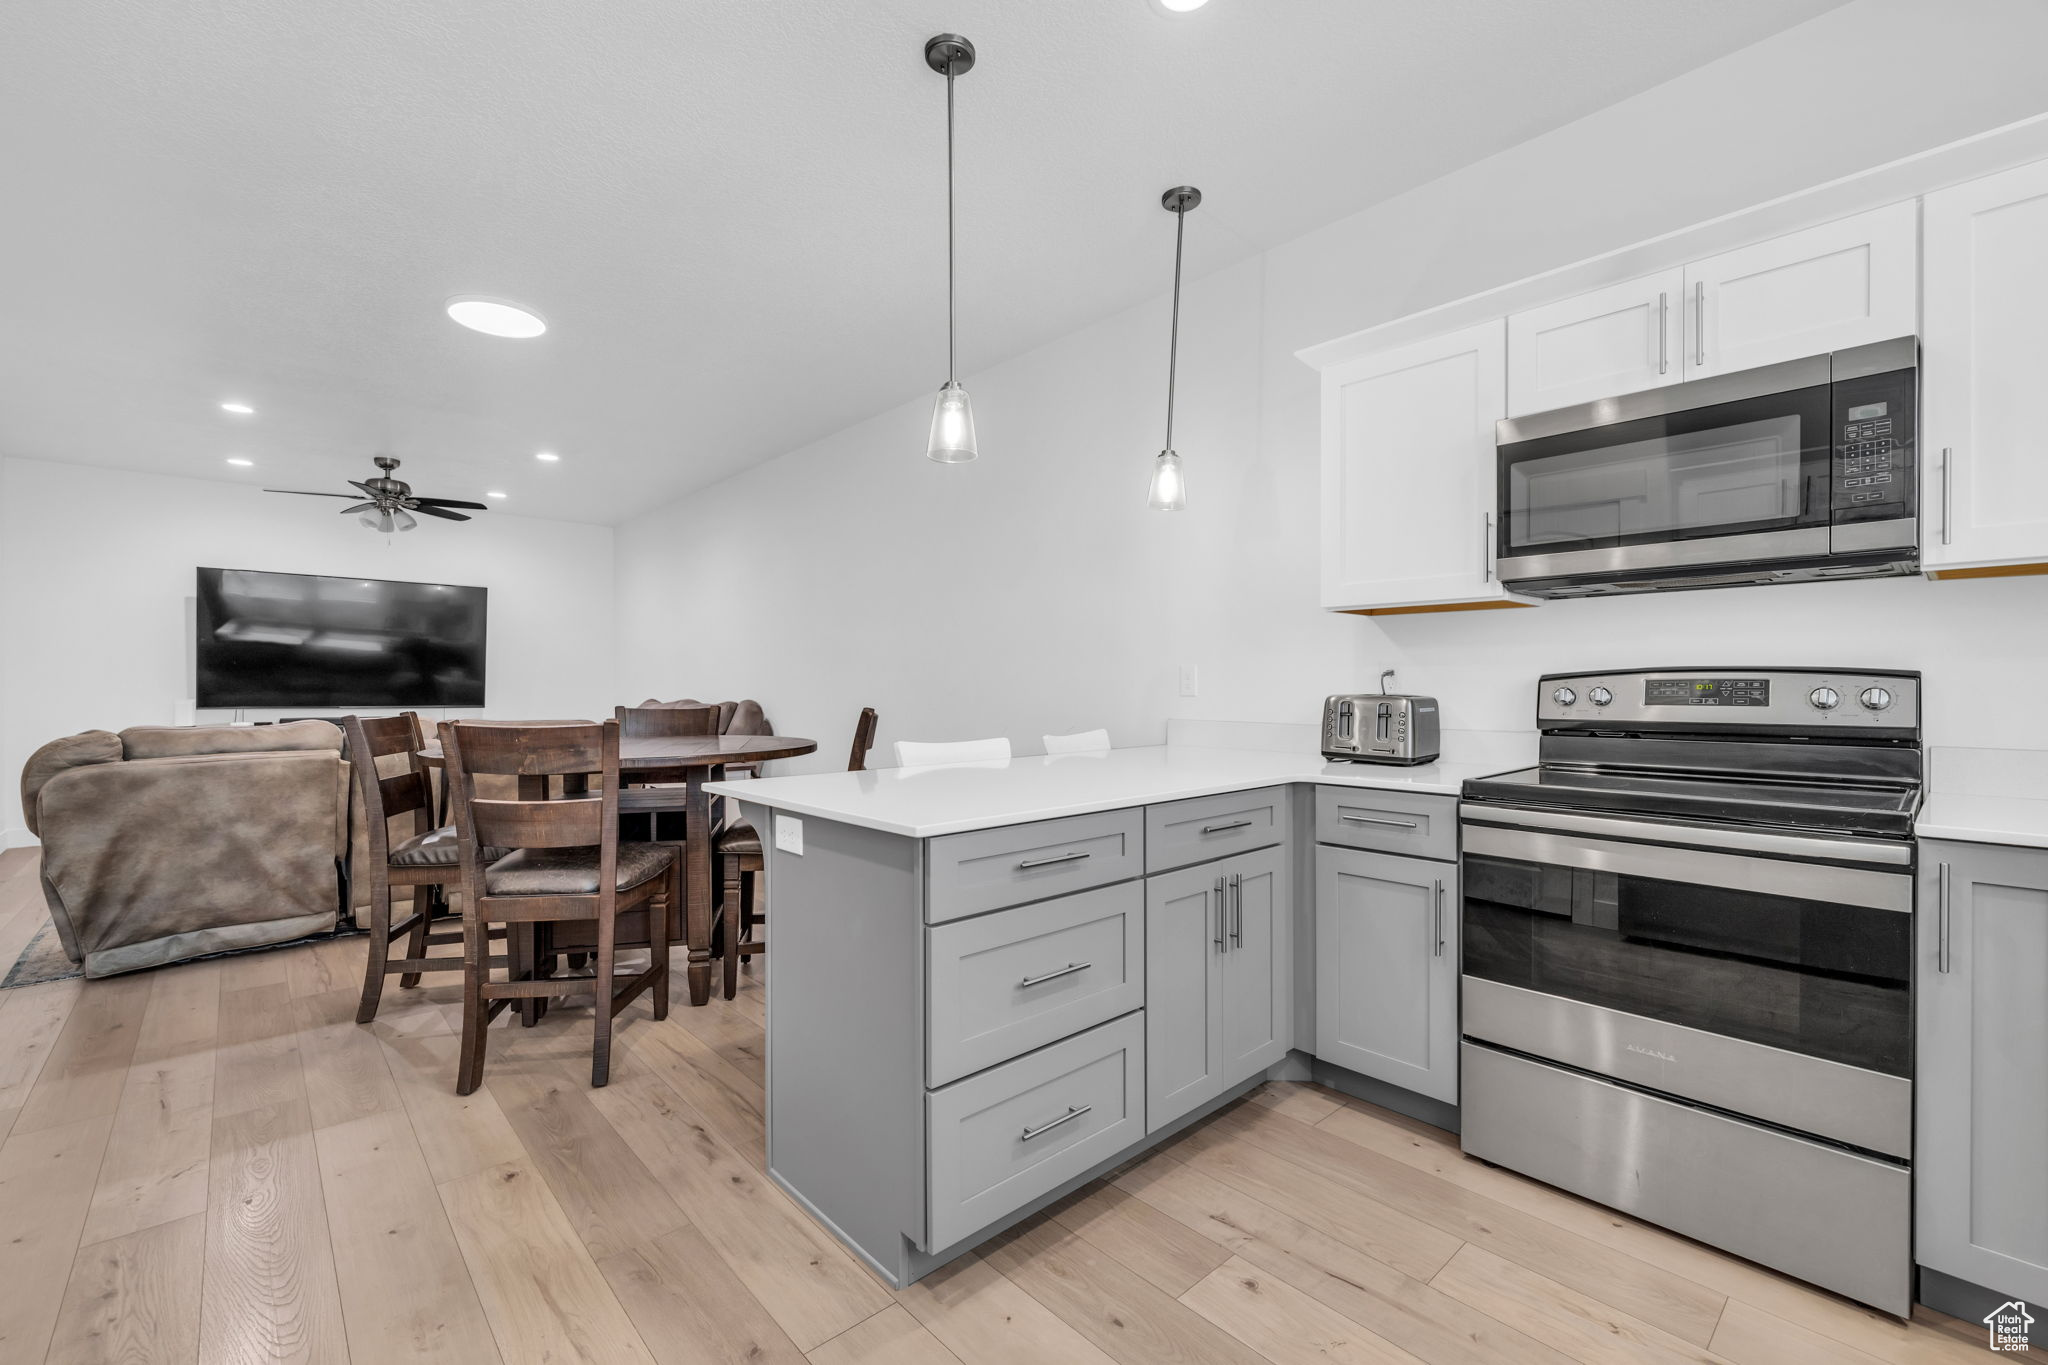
(1879, 810)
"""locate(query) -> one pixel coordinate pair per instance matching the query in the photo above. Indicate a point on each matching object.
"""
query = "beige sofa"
(164, 843)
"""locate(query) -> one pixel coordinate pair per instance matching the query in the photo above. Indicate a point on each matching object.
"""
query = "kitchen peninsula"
(993, 981)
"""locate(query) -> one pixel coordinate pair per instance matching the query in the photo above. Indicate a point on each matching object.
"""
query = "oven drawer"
(1002, 984)
(987, 869)
(998, 1140)
(1820, 1213)
(1183, 832)
(1417, 824)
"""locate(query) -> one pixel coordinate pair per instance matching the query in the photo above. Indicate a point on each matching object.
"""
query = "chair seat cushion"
(739, 837)
(572, 871)
(436, 848)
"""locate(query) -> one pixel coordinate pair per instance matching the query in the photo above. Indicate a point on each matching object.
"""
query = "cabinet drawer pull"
(1042, 1129)
(1941, 919)
(1439, 951)
(1948, 485)
(1237, 910)
(1222, 912)
(1067, 970)
(1486, 548)
(1699, 322)
(1218, 829)
(1048, 862)
(1376, 820)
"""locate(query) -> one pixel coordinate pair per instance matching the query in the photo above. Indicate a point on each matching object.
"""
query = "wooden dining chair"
(741, 864)
(565, 879)
(420, 865)
(1081, 742)
(912, 753)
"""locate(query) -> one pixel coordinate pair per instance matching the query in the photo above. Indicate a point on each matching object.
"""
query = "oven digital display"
(1706, 692)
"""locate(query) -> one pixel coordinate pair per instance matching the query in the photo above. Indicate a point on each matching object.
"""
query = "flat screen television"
(293, 639)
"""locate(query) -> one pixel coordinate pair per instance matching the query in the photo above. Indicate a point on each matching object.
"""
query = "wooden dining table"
(691, 761)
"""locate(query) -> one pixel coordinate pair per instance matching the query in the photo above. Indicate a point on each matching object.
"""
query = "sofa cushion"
(179, 741)
(90, 746)
(739, 837)
(571, 871)
(436, 848)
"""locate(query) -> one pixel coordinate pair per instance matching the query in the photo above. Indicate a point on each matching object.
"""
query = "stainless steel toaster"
(1381, 727)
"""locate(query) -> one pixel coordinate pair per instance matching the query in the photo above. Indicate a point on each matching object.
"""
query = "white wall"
(96, 583)
(1033, 590)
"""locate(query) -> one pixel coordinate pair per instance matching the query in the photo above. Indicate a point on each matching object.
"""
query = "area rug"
(43, 959)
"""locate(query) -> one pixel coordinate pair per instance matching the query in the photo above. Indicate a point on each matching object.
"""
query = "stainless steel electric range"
(1688, 961)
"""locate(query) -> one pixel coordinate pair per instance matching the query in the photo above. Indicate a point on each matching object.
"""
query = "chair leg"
(475, 955)
(524, 965)
(657, 934)
(421, 908)
(601, 1040)
(730, 913)
(380, 952)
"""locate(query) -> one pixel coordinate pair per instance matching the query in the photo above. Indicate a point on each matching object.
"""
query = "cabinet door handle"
(1067, 970)
(1439, 951)
(1218, 829)
(1073, 1112)
(1237, 910)
(1375, 820)
(1048, 862)
(1222, 937)
(1941, 917)
(1699, 322)
(1948, 484)
(1663, 344)
(1486, 548)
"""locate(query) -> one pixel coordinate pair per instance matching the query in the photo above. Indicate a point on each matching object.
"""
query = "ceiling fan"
(387, 504)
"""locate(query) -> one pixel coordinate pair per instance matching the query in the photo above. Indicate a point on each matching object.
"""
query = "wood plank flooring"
(214, 1163)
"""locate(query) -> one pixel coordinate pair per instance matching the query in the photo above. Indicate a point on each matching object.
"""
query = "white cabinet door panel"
(1841, 284)
(1983, 353)
(1611, 341)
(1184, 945)
(1258, 969)
(1386, 968)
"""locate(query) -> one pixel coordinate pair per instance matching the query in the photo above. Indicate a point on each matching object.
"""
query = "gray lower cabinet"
(1218, 979)
(1387, 968)
(1981, 1163)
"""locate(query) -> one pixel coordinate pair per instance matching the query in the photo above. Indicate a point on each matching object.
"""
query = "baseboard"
(18, 837)
(1433, 1112)
(1959, 1298)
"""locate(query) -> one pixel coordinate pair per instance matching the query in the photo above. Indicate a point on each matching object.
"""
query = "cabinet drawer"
(1005, 983)
(1415, 823)
(998, 1140)
(1183, 832)
(988, 869)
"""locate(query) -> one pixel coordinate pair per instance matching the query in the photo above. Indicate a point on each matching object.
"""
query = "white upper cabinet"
(1983, 449)
(1408, 474)
(1616, 340)
(1841, 284)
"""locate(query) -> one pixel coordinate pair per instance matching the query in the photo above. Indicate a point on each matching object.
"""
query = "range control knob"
(1600, 696)
(1824, 698)
(1564, 696)
(1875, 698)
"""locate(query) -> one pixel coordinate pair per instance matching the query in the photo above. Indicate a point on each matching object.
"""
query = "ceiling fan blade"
(304, 493)
(451, 502)
(437, 512)
(368, 491)
(359, 507)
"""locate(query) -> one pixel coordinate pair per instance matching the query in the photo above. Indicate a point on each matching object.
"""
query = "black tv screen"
(291, 639)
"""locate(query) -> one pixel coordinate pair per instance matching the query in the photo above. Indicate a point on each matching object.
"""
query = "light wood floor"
(212, 1162)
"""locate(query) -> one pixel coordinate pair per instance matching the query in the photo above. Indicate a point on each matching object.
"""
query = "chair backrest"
(863, 740)
(371, 738)
(471, 748)
(1084, 742)
(913, 754)
(666, 720)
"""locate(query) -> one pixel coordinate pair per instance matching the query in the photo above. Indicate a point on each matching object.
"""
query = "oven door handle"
(1729, 871)
(1844, 850)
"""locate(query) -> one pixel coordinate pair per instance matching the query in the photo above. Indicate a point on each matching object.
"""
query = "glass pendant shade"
(952, 439)
(1169, 487)
(378, 519)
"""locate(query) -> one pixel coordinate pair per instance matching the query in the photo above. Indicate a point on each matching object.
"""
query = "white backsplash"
(1506, 748)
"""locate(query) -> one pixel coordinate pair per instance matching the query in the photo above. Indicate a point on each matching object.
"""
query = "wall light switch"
(789, 834)
(1190, 684)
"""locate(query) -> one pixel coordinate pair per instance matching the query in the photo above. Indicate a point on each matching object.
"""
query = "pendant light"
(952, 438)
(1169, 487)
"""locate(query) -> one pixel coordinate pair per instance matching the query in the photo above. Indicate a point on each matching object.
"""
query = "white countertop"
(923, 802)
(2017, 820)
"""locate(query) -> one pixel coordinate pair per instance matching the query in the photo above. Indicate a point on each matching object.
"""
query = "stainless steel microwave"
(1787, 473)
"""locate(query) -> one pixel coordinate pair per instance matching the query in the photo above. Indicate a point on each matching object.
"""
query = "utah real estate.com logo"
(2009, 1323)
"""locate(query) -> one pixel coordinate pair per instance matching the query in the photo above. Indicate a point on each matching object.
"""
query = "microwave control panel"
(1874, 422)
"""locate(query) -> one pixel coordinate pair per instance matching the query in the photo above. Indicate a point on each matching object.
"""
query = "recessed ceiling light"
(239, 409)
(547, 455)
(497, 318)
(495, 493)
(1180, 6)
(239, 462)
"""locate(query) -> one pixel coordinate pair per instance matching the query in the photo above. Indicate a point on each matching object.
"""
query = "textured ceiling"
(731, 213)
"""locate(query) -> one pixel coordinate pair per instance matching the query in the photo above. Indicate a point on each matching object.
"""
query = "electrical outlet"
(1190, 682)
(789, 834)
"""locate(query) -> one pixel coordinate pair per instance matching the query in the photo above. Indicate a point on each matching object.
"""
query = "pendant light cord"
(952, 312)
(1180, 225)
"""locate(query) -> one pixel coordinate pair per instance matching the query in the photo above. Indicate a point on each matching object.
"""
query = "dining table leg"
(697, 889)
